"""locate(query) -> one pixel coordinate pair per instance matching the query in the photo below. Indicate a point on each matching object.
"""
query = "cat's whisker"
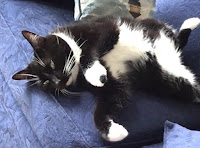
(58, 42)
(64, 92)
(69, 64)
(35, 83)
(66, 62)
(39, 60)
(78, 40)
(69, 69)
(83, 43)
(69, 56)
(71, 61)
(61, 91)
(58, 92)
(69, 92)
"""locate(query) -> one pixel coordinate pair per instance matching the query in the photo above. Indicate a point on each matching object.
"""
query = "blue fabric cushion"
(177, 136)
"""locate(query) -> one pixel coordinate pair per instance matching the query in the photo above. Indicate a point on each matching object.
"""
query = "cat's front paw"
(96, 74)
(116, 132)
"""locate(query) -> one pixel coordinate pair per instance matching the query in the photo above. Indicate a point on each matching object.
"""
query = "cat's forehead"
(54, 46)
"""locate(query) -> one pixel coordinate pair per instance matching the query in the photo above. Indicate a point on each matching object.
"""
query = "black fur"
(100, 37)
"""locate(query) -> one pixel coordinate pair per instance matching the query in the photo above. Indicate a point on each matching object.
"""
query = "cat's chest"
(131, 46)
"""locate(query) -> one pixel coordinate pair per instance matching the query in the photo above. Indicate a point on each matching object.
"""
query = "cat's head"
(54, 67)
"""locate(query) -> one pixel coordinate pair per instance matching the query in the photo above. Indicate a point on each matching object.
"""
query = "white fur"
(130, 46)
(116, 132)
(169, 58)
(190, 23)
(94, 72)
(72, 44)
(76, 52)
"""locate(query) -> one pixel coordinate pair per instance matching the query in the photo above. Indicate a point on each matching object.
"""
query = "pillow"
(177, 136)
(124, 8)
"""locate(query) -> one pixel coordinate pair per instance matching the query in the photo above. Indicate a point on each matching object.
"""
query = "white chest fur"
(132, 45)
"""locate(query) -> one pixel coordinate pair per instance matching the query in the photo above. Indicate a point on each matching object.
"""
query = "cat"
(111, 58)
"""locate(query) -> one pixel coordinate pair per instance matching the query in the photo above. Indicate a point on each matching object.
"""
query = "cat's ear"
(35, 40)
(23, 75)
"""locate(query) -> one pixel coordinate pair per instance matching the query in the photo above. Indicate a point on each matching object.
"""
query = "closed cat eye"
(52, 65)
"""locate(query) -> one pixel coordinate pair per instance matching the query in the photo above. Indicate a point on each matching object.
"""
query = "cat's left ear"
(35, 40)
(23, 75)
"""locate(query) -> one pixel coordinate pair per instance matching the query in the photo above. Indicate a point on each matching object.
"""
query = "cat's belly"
(116, 59)
(133, 46)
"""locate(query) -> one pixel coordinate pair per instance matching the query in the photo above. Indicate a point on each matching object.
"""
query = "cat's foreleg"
(95, 73)
(105, 113)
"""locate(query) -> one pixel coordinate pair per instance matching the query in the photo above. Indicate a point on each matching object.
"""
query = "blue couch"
(32, 118)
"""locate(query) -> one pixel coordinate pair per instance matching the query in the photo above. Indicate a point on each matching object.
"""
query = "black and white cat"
(110, 57)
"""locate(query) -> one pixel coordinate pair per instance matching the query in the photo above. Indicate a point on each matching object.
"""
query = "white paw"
(95, 73)
(190, 23)
(116, 132)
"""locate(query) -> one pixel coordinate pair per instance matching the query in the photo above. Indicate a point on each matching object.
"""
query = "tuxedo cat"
(111, 58)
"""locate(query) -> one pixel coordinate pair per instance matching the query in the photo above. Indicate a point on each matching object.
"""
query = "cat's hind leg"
(190, 23)
(165, 79)
(186, 29)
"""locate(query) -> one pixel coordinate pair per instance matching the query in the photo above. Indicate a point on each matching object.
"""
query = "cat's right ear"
(35, 40)
(23, 75)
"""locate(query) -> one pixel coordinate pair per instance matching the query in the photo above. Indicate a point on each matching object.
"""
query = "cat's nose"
(103, 79)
